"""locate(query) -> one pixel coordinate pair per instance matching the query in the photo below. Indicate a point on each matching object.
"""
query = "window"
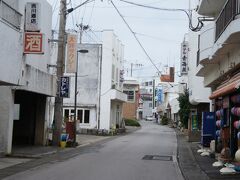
(83, 115)
(86, 116)
(130, 95)
(80, 115)
(66, 113)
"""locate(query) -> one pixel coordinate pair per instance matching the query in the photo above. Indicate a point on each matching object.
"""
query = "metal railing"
(10, 15)
(228, 13)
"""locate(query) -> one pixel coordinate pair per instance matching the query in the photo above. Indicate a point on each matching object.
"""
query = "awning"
(229, 87)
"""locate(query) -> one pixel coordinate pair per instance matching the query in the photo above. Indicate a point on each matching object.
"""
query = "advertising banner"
(65, 87)
(71, 53)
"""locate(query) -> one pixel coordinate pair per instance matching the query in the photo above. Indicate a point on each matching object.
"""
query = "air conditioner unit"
(32, 17)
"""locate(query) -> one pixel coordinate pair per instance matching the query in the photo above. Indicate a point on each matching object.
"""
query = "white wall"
(197, 92)
(12, 51)
(223, 66)
(6, 119)
(28, 71)
(207, 38)
(10, 54)
(147, 111)
(88, 83)
(40, 61)
(88, 77)
(222, 54)
(112, 57)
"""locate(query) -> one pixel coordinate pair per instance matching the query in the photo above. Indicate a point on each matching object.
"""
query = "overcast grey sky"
(161, 32)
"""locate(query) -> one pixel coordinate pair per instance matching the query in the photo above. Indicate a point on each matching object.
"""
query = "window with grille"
(130, 95)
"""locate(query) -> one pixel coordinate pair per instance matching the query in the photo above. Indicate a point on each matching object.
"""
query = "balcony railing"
(228, 13)
(10, 15)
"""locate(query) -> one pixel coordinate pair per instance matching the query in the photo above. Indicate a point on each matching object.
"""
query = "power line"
(90, 37)
(54, 5)
(187, 12)
(156, 18)
(70, 2)
(79, 14)
(73, 9)
(154, 37)
(100, 40)
(91, 13)
(140, 44)
(157, 8)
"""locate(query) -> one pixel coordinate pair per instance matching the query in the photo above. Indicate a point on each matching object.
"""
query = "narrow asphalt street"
(118, 159)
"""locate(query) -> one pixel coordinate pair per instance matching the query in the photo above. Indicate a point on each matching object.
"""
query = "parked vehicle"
(150, 118)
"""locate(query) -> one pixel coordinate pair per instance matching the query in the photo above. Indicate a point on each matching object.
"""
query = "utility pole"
(81, 28)
(58, 115)
(153, 94)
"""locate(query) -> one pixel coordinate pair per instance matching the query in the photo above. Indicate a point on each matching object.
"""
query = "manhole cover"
(157, 157)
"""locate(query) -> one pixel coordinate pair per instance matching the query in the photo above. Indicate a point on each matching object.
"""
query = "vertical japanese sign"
(64, 87)
(71, 53)
(32, 18)
(33, 43)
(121, 76)
(184, 58)
(159, 95)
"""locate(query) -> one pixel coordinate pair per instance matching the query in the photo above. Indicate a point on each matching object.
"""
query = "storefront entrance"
(29, 128)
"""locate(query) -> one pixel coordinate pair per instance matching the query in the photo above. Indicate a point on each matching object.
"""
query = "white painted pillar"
(6, 119)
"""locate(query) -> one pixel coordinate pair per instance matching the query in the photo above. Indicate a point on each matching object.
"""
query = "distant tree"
(184, 111)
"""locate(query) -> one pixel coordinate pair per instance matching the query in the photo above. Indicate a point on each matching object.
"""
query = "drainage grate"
(157, 157)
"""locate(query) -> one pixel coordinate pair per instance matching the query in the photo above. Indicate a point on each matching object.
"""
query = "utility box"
(208, 128)
(70, 130)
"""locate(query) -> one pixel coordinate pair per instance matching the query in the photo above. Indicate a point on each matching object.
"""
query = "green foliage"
(184, 108)
(131, 122)
(164, 120)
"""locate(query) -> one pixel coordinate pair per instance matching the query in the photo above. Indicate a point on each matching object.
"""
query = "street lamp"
(75, 96)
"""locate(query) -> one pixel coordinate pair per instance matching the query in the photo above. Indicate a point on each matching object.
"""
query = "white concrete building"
(146, 99)
(198, 93)
(25, 81)
(171, 92)
(219, 60)
(100, 90)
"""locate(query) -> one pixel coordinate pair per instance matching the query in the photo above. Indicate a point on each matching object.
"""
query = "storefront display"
(235, 117)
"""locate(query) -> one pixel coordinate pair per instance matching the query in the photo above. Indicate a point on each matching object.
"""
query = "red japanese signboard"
(33, 43)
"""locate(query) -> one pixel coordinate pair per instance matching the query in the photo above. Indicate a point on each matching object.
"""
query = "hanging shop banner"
(159, 96)
(71, 53)
(184, 58)
(194, 122)
(33, 43)
(65, 87)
